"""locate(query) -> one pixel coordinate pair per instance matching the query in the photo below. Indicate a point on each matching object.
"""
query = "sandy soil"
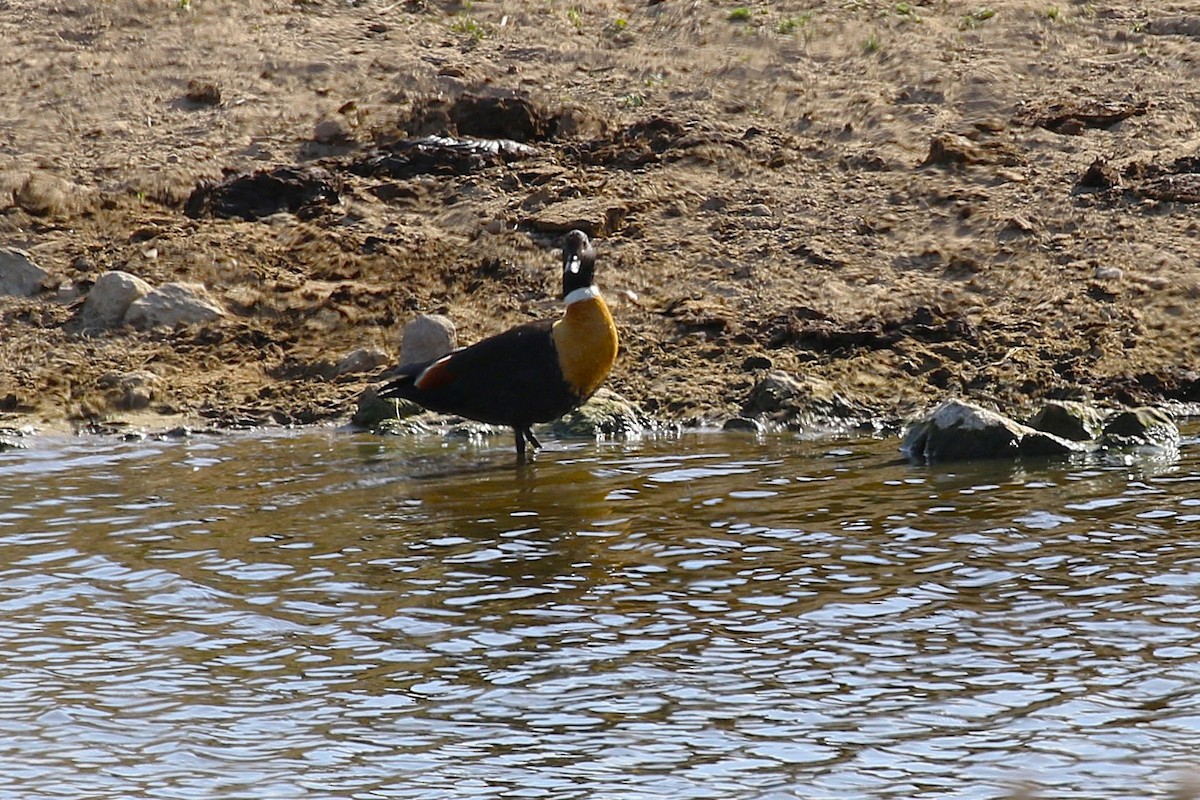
(908, 200)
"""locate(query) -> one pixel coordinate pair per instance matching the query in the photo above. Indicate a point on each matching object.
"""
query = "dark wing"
(512, 378)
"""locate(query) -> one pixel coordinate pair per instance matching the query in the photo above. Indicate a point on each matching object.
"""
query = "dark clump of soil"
(300, 190)
(1098, 176)
(650, 141)
(1177, 182)
(508, 117)
(1076, 116)
(1179, 384)
(505, 116)
(203, 93)
(434, 155)
(963, 150)
(813, 331)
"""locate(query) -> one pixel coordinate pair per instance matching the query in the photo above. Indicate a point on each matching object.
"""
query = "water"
(320, 615)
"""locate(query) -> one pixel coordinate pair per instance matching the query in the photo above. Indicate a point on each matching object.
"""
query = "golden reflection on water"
(322, 614)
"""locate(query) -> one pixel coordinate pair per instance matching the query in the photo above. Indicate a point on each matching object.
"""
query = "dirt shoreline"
(905, 200)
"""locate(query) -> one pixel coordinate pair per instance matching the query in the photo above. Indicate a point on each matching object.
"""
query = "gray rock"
(174, 304)
(330, 131)
(747, 424)
(801, 402)
(457, 428)
(130, 391)
(361, 360)
(19, 276)
(427, 337)
(605, 414)
(1069, 420)
(45, 195)
(67, 292)
(957, 430)
(110, 297)
(1140, 427)
(401, 426)
(1175, 26)
(378, 414)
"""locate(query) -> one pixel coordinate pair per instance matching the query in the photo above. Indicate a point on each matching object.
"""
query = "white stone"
(174, 304)
(68, 292)
(18, 275)
(427, 337)
(362, 360)
(109, 299)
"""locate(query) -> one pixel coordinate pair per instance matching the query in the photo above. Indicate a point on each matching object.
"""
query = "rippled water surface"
(320, 615)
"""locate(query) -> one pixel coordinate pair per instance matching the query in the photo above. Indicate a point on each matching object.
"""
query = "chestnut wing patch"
(436, 376)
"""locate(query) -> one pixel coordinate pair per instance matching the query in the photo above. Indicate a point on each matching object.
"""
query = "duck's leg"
(525, 435)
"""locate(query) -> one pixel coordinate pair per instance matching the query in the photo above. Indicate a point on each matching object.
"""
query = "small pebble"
(328, 131)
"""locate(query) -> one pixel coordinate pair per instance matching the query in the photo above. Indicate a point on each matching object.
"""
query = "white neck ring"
(583, 293)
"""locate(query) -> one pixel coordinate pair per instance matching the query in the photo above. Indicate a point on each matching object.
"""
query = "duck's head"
(579, 262)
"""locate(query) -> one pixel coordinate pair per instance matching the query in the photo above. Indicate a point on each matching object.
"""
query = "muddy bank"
(904, 201)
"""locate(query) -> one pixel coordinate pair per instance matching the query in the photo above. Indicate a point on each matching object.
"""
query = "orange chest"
(586, 341)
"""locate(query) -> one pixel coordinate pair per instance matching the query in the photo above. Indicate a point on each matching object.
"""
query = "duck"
(529, 374)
